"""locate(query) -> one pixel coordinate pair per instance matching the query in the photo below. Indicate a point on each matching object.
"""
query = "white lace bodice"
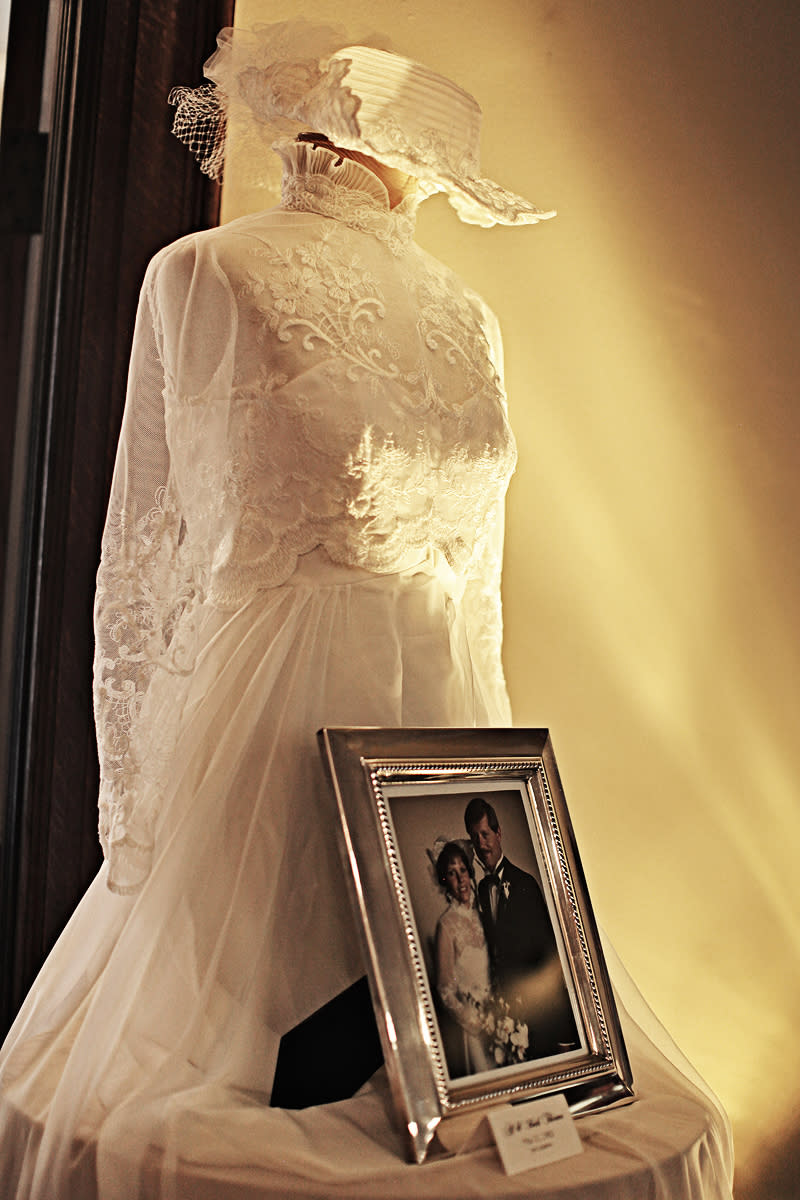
(462, 963)
(299, 378)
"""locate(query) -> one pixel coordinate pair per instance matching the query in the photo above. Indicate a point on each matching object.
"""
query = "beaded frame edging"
(374, 773)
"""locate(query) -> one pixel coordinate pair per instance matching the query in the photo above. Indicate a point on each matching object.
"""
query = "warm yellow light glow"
(652, 582)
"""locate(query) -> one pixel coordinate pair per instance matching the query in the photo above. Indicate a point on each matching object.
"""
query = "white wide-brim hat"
(279, 79)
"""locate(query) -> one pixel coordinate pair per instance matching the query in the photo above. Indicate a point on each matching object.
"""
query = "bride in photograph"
(462, 964)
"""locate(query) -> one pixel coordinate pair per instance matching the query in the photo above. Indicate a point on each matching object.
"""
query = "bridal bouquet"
(508, 1037)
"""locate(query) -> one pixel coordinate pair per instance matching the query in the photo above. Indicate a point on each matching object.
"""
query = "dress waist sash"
(317, 569)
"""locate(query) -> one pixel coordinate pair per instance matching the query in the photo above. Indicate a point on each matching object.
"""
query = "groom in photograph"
(526, 969)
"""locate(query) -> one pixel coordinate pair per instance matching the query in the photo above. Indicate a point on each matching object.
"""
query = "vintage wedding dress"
(305, 528)
(462, 963)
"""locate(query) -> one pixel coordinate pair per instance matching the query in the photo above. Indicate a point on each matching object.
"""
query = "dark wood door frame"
(117, 187)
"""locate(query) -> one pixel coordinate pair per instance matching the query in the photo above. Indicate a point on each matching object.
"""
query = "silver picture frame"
(402, 792)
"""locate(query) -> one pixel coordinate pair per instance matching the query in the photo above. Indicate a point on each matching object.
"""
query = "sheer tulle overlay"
(305, 529)
(243, 926)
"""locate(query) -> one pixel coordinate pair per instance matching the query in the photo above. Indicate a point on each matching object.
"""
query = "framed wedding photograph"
(485, 964)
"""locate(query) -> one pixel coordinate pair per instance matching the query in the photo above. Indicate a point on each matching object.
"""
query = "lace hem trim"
(233, 584)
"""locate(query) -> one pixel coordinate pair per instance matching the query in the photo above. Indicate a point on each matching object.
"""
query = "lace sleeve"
(482, 599)
(164, 518)
(139, 595)
(484, 617)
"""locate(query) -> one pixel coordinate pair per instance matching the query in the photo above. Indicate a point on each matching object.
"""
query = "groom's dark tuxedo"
(520, 938)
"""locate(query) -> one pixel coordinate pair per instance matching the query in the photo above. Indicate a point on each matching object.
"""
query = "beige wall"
(652, 579)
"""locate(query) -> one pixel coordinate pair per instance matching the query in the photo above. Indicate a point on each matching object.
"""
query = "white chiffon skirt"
(243, 925)
(147, 1045)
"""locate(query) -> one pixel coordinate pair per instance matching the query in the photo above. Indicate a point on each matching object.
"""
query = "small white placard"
(532, 1134)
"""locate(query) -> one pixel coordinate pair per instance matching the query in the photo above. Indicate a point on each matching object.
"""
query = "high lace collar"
(318, 180)
(463, 910)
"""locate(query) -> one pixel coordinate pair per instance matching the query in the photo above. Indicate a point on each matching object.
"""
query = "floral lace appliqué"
(295, 383)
